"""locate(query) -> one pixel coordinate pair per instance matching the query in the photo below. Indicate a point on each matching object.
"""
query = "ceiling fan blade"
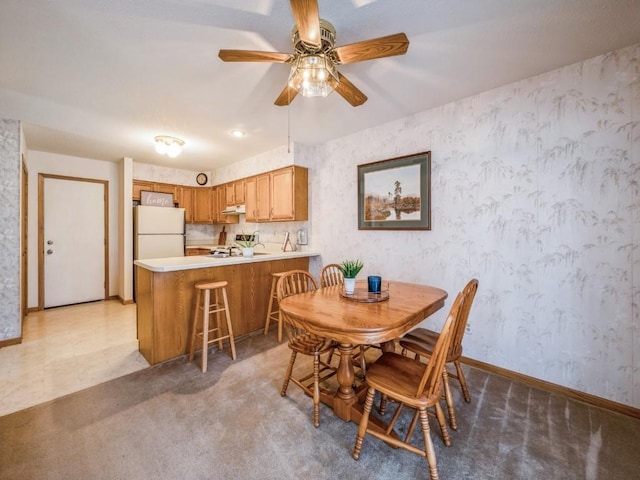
(388, 46)
(253, 56)
(307, 19)
(286, 96)
(350, 92)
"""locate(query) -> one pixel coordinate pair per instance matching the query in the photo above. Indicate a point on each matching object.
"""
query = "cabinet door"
(139, 186)
(239, 192)
(167, 188)
(186, 201)
(250, 199)
(220, 202)
(202, 205)
(234, 193)
(282, 207)
(263, 197)
(230, 199)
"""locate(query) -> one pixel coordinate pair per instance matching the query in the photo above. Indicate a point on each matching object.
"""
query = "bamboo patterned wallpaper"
(535, 192)
(10, 163)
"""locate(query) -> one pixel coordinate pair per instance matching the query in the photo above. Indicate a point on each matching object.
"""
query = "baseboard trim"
(10, 341)
(123, 301)
(555, 388)
(32, 309)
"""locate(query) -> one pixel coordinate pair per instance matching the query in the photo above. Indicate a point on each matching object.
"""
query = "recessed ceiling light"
(237, 133)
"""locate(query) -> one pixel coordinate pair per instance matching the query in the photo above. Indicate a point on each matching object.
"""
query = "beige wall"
(50, 163)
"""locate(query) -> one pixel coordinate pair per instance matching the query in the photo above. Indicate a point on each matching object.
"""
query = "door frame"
(41, 179)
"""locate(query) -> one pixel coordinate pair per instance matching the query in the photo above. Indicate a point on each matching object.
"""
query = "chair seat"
(422, 341)
(310, 344)
(383, 376)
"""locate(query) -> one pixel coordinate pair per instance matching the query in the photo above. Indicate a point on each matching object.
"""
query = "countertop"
(173, 264)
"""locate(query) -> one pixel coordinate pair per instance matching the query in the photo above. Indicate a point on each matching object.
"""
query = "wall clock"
(201, 179)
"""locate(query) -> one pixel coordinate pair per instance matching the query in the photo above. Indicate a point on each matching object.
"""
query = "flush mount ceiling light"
(166, 145)
(237, 133)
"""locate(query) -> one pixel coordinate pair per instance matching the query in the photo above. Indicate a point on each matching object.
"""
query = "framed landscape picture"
(395, 194)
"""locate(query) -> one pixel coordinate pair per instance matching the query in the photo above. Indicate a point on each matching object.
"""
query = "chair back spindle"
(331, 275)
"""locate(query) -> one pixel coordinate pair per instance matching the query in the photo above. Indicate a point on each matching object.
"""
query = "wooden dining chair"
(413, 384)
(301, 341)
(332, 275)
(422, 341)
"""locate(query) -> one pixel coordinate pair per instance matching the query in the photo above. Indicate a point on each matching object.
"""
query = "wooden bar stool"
(273, 312)
(208, 309)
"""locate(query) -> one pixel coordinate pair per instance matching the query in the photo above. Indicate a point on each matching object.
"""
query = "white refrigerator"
(158, 232)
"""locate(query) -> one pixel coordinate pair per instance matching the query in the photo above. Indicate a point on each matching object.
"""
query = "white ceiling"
(100, 78)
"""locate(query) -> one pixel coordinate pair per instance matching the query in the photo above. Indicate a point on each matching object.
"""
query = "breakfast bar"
(165, 295)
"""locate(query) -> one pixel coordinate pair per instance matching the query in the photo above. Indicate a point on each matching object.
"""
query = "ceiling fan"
(315, 58)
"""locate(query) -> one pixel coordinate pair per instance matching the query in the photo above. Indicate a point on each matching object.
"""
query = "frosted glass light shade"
(166, 145)
(313, 75)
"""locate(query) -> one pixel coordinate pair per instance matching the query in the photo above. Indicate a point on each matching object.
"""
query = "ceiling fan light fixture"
(313, 75)
(166, 145)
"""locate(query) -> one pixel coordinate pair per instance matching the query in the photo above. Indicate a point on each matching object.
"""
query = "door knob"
(49, 252)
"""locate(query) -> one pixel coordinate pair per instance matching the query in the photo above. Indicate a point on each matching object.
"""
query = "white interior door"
(74, 241)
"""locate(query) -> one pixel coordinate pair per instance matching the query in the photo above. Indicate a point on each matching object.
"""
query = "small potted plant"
(247, 245)
(350, 269)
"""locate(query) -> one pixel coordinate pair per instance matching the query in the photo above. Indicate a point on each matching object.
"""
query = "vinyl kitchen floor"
(68, 349)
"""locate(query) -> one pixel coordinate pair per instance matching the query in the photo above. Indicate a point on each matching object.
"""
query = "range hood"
(235, 210)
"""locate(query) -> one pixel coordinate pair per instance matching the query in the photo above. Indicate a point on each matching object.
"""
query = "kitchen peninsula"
(165, 295)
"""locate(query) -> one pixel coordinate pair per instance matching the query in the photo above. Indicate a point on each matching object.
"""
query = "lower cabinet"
(165, 302)
(192, 252)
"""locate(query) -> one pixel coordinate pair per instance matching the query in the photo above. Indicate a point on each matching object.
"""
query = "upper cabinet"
(196, 201)
(289, 194)
(203, 204)
(139, 186)
(144, 186)
(186, 201)
(235, 193)
(278, 196)
(219, 204)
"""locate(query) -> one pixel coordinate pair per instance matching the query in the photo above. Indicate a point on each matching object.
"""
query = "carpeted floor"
(173, 422)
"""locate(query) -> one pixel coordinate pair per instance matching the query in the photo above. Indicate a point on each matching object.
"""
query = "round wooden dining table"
(327, 313)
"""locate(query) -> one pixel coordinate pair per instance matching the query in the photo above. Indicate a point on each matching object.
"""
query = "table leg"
(345, 397)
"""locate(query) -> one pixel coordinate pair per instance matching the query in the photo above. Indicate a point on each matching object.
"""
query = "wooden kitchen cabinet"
(190, 252)
(257, 203)
(235, 193)
(143, 185)
(202, 205)
(289, 194)
(219, 204)
(278, 196)
(165, 302)
(250, 199)
(186, 201)
(263, 197)
(167, 188)
(197, 203)
(139, 186)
